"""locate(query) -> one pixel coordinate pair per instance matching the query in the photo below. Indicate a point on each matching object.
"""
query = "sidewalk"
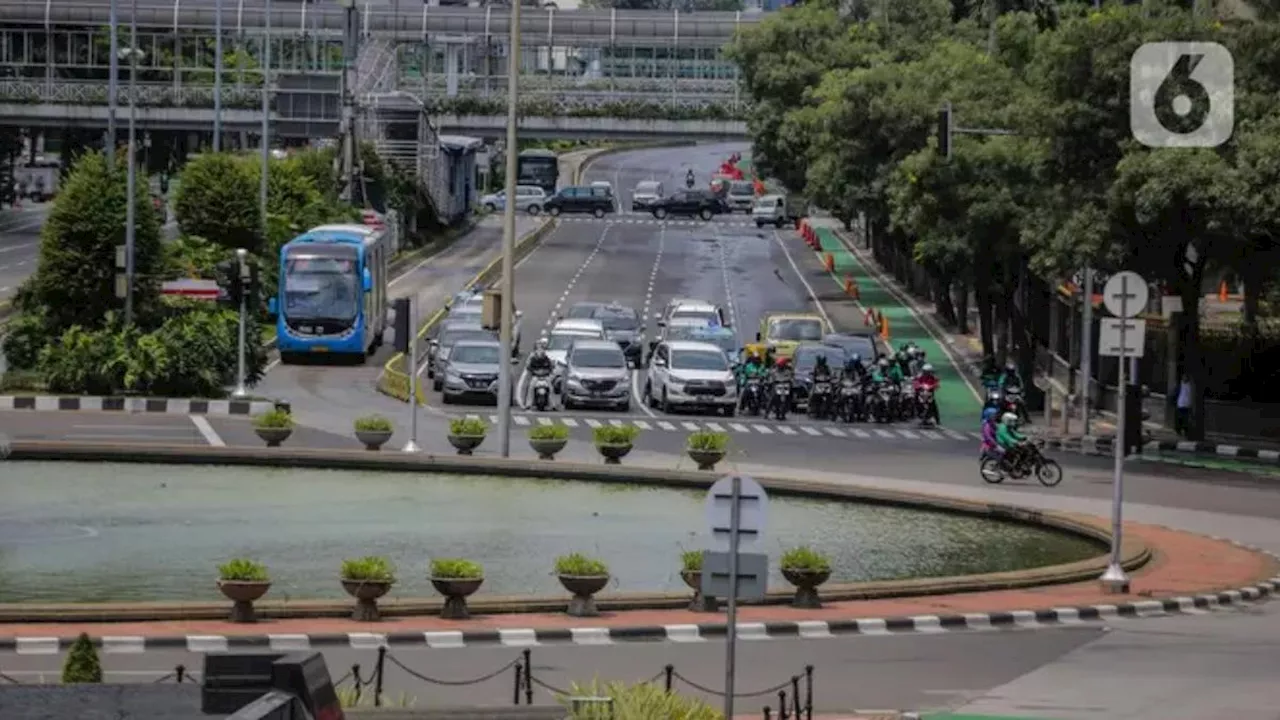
(965, 351)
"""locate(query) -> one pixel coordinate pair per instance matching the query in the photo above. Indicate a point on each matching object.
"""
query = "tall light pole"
(109, 147)
(131, 210)
(509, 236)
(266, 105)
(217, 78)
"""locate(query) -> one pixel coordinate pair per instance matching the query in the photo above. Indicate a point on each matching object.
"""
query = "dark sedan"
(806, 358)
(862, 344)
(690, 203)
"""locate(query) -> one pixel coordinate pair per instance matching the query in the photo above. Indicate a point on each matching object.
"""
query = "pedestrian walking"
(1182, 414)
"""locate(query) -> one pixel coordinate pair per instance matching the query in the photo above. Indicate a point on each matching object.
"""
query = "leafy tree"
(218, 200)
(318, 165)
(74, 283)
(82, 665)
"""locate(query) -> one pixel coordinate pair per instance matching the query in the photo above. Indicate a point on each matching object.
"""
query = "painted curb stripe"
(532, 637)
(170, 406)
(1106, 445)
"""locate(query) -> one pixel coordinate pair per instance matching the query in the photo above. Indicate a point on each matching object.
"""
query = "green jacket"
(1007, 437)
(895, 373)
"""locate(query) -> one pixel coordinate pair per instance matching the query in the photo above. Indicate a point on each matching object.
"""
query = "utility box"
(491, 310)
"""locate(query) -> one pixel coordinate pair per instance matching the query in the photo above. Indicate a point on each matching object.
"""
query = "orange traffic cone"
(1222, 292)
(828, 262)
(884, 328)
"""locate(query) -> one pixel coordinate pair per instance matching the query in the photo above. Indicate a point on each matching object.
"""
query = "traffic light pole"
(948, 130)
(242, 267)
(412, 445)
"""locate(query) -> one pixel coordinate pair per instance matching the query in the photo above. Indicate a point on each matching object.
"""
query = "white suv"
(690, 374)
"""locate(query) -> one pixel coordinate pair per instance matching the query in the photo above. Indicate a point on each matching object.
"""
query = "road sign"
(1126, 294)
(1109, 337)
(753, 575)
(753, 504)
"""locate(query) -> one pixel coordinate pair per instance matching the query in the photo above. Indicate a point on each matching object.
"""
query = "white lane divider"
(577, 275)
(206, 430)
(636, 378)
(730, 305)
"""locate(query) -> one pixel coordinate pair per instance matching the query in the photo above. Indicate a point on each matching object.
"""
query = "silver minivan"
(646, 193)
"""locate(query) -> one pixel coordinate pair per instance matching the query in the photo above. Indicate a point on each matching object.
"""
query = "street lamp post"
(266, 104)
(217, 78)
(109, 147)
(509, 237)
(131, 211)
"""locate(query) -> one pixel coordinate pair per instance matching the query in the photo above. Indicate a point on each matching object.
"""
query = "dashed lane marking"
(792, 429)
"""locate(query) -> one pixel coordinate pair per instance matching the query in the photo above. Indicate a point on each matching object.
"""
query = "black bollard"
(782, 706)
(808, 692)
(528, 676)
(516, 693)
(669, 671)
(377, 676)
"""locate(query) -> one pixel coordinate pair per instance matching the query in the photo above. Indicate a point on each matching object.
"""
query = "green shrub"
(26, 335)
(275, 419)
(468, 427)
(191, 256)
(691, 560)
(548, 432)
(243, 570)
(82, 665)
(374, 423)
(456, 568)
(579, 564)
(708, 440)
(217, 199)
(646, 701)
(805, 558)
(613, 435)
(369, 569)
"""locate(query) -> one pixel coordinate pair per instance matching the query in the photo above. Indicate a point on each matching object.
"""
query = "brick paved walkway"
(1183, 564)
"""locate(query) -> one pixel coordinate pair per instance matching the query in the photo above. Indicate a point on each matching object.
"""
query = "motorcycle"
(541, 392)
(850, 404)
(781, 399)
(689, 182)
(819, 399)
(880, 404)
(751, 399)
(994, 468)
(928, 407)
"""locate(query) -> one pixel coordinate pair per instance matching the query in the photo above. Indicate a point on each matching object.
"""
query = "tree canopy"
(1044, 175)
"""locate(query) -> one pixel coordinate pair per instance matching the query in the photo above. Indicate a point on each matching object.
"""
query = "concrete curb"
(529, 637)
(1105, 445)
(1134, 552)
(170, 406)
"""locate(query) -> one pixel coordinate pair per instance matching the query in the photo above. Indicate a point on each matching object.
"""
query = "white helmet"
(541, 345)
(927, 368)
(1009, 418)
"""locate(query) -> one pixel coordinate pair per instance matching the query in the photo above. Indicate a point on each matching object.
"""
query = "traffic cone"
(869, 317)
(884, 328)
(1222, 292)
(828, 262)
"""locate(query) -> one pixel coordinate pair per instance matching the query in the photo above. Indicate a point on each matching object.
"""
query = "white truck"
(780, 210)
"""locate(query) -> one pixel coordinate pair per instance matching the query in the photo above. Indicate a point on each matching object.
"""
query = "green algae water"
(78, 532)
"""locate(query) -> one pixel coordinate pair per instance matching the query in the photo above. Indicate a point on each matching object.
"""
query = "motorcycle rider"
(780, 373)
(689, 179)
(540, 365)
(753, 367)
(926, 380)
(893, 371)
(1009, 440)
(821, 373)
(990, 423)
(854, 369)
(990, 373)
(1010, 377)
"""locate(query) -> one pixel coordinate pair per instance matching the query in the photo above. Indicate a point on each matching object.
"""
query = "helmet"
(782, 363)
(854, 359)
(884, 362)
(989, 414)
(541, 345)
(850, 363)
(1009, 418)
(1011, 366)
(927, 369)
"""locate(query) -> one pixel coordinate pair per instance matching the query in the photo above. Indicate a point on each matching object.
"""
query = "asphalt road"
(19, 244)
(894, 671)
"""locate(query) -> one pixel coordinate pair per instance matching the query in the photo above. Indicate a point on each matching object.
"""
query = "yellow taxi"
(784, 331)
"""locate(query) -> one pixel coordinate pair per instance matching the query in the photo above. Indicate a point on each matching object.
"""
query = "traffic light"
(944, 131)
(251, 284)
(228, 277)
(400, 306)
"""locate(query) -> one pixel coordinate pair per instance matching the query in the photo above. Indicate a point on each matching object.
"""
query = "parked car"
(442, 344)
(779, 210)
(689, 203)
(647, 193)
(596, 374)
(693, 375)
(580, 199)
(528, 198)
(470, 371)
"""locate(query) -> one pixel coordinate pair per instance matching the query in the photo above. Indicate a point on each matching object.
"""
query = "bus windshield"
(321, 288)
(539, 170)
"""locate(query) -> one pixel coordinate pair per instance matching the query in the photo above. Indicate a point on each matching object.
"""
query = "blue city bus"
(538, 167)
(332, 292)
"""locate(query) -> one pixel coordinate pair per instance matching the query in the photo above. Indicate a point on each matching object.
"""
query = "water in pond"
(73, 532)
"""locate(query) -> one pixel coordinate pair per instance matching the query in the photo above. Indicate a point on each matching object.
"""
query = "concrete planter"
(806, 583)
(455, 592)
(547, 447)
(273, 437)
(366, 593)
(613, 454)
(700, 602)
(373, 439)
(583, 588)
(465, 444)
(243, 593)
(706, 459)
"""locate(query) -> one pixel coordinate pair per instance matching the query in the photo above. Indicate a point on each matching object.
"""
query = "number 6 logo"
(1182, 94)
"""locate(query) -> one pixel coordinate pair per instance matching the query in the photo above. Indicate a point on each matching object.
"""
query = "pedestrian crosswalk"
(742, 427)
(642, 219)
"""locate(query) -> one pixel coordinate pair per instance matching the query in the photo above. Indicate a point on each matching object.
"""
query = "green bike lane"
(957, 404)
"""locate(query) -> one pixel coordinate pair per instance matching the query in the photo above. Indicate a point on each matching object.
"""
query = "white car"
(690, 374)
(467, 304)
(647, 193)
(528, 198)
(699, 310)
(563, 333)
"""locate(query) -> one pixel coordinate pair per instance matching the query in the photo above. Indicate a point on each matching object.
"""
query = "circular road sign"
(1126, 294)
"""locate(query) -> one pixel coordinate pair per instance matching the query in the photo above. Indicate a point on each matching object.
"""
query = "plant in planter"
(707, 448)
(805, 568)
(82, 664)
(547, 440)
(456, 579)
(243, 581)
(274, 426)
(614, 442)
(583, 577)
(366, 579)
(466, 434)
(691, 574)
(374, 431)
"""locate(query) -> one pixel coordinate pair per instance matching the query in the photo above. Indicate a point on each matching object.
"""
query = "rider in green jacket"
(1008, 437)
